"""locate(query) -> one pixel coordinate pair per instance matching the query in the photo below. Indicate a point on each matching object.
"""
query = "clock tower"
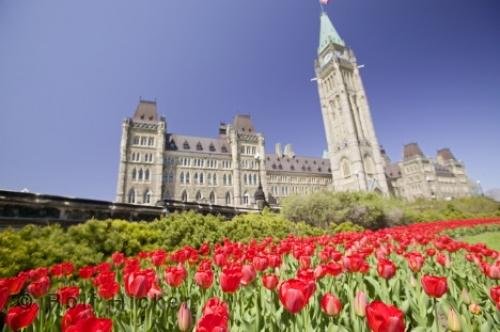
(353, 148)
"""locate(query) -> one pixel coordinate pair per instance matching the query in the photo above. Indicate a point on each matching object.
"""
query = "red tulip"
(68, 295)
(158, 257)
(384, 318)
(443, 259)
(108, 290)
(20, 317)
(175, 275)
(118, 258)
(138, 284)
(154, 292)
(216, 306)
(4, 296)
(270, 281)
(434, 286)
(304, 262)
(247, 274)
(230, 279)
(39, 287)
(330, 304)
(212, 323)
(92, 324)
(204, 278)
(184, 318)
(86, 272)
(16, 284)
(74, 314)
(61, 270)
(495, 295)
(260, 262)
(386, 268)
(355, 263)
(294, 294)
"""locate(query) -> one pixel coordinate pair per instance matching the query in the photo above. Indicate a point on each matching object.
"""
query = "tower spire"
(327, 33)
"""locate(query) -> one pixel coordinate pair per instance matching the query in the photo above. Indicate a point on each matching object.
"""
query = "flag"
(324, 2)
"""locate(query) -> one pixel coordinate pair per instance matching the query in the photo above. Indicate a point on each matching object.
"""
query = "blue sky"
(71, 71)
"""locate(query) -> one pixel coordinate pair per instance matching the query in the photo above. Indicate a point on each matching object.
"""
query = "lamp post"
(259, 196)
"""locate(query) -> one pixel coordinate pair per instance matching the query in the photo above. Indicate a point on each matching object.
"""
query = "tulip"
(454, 321)
(175, 275)
(86, 272)
(74, 314)
(434, 286)
(216, 306)
(204, 278)
(16, 284)
(443, 259)
(386, 268)
(39, 287)
(360, 303)
(68, 295)
(184, 318)
(415, 261)
(294, 294)
(118, 258)
(270, 281)
(384, 318)
(475, 308)
(158, 257)
(230, 279)
(4, 296)
(260, 263)
(138, 284)
(92, 324)
(330, 304)
(495, 295)
(154, 292)
(212, 323)
(248, 274)
(20, 317)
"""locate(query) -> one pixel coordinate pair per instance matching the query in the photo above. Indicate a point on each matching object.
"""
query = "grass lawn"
(491, 239)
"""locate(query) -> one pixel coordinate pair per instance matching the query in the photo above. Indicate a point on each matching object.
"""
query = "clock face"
(327, 58)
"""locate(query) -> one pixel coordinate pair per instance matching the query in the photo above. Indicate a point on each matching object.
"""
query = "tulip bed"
(409, 278)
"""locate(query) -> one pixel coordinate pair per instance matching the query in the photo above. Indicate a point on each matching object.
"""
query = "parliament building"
(228, 169)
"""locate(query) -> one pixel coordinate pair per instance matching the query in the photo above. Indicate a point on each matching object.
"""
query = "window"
(198, 196)
(215, 179)
(143, 140)
(134, 174)
(131, 196)
(146, 175)
(182, 177)
(255, 179)
(224, 149)
(140, 176)
(228, 198)
(151, 141)
(185, 145)
(201, 178)
(199, 147)
(195, 178)
(209, 179)
(230, 179)
(212, 198)
(211, 147)
(136, 140)
(245, 179)
(147, 196)
(224, 180)
(187, 177)
(246, 198)
(184, 196)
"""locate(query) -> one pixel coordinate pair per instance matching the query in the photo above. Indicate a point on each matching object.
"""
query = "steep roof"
(196, 144)
(243, 123)
(446, 154)
(297, 164)
(412, 150)
(328, 33)
(146, 111)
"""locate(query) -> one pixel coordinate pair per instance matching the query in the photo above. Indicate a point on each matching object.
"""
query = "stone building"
(227, 170)
(418, 176)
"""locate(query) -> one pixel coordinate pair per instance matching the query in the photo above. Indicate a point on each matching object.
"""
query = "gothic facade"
(227, 170)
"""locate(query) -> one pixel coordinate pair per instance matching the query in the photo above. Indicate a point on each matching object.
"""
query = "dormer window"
(280, 167)
(309, 168)
(142, 117)
(319, 169)
(224, 149)
(292, 168)
(199, 147)
(211, 147)
(150, 118)
(185, 145)
(303, 168)
(274, 166)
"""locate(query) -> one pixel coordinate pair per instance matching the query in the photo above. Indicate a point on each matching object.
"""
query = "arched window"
(146, 175)
(166, 195)
(140, 175)
(228, 198)
(147, 196)
(198, 196)
(215, 179)
(182, 177)
(212, 197)
(184, 196)
(345, 168)
(131, 196)
(209, 179)
(369, 165)
(195, 178)
(224, 180)
(187, 177)
(246, 198)
(255, 179)
(245, 181)
(230, 179)
(134, 174)
(201, 178)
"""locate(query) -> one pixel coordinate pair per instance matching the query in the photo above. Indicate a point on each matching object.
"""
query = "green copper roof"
(327, 33)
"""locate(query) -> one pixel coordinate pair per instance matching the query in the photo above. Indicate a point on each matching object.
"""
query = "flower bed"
(396, 279)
